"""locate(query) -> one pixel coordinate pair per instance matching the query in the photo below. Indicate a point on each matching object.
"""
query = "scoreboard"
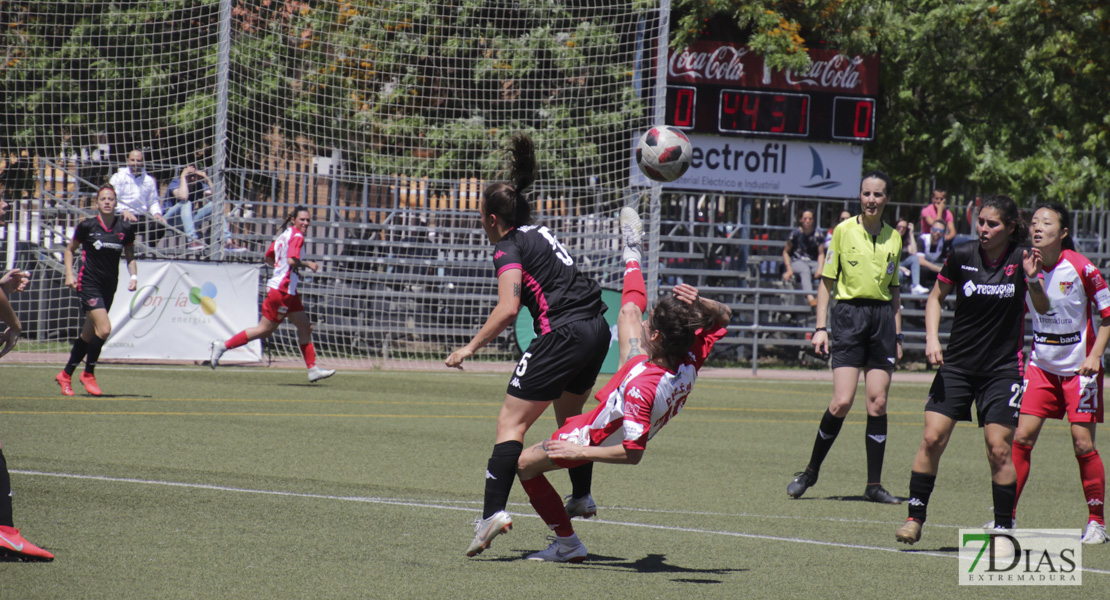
(724, 89)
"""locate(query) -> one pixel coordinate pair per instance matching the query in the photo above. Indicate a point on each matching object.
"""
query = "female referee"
(1065, 370)
(982, 365)
(284, 255)
(102, 239)
(862, 262)
(562, 362)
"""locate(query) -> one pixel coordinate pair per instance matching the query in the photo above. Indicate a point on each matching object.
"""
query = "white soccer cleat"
(316, 374)
(1095, 534)
(583, 507)
(562, 549)
(632, 233)
(487, 529)
(218, 349)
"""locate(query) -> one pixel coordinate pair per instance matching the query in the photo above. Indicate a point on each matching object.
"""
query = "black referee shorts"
(92, 298)
(863, 335)
(997, 398)
(567, 359)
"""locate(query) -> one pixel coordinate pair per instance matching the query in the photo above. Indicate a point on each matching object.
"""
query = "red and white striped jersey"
(641, 397)
(285, 246)
(1063, 337)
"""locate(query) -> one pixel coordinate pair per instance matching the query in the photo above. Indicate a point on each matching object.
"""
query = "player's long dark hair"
(106, 186)
(1011, 215)
(1067, 242)
(677, 324)
(508, 200)
(292, 215)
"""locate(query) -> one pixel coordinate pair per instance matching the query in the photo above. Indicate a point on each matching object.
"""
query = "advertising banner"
(760, 166)
(180, 307)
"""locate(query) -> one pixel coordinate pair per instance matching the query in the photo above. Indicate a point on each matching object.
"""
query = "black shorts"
(997, 398)
(92, 298)
(863, 335)
(567, 359)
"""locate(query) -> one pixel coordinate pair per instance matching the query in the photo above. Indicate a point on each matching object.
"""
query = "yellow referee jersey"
(863, 266)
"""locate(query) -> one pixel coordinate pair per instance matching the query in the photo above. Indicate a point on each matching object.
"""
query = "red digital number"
(862, 124)
(683, 108)
(752, 111)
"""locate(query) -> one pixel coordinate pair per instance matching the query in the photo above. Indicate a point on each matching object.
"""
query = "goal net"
(385, 119)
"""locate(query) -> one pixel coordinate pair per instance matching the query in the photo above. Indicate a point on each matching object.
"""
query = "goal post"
(384, 119)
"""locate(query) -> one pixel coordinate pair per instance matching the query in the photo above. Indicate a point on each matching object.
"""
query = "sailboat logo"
(820, 172)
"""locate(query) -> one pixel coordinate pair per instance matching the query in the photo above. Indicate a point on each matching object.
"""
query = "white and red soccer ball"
(664, 153)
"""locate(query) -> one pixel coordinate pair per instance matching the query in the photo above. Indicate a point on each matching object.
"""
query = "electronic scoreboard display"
(709, 92)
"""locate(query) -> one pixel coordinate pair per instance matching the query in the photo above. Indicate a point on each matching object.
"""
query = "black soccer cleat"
(802, 482)
(876, 493)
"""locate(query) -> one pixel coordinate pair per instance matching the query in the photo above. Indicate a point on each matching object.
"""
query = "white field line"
(447, 505)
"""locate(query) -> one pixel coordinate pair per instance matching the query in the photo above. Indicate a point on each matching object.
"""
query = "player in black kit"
(572, 337)
(102, 240)
(983, 363)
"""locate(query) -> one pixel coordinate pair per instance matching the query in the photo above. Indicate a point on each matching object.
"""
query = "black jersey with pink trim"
(989, 326)
(553, 289)
(101, 248)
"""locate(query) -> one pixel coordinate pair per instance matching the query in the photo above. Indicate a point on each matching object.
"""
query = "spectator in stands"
(909, 264)
(844, 216)
(188, 202)
(138, 198)
(804, 254)
(937, 210)
(930, 255)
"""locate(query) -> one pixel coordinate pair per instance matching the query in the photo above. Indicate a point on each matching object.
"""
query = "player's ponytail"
(508, 200)
(1010, 214)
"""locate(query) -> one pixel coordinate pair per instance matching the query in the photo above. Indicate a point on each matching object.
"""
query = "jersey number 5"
(560, 251)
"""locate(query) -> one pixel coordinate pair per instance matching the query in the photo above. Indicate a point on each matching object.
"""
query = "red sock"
(1021, 465)
(1093, 475)
(237, 340)
(634, 289)
(309, 354)
(548, 505)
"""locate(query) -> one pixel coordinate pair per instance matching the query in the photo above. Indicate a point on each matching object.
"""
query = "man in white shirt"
(137, 194)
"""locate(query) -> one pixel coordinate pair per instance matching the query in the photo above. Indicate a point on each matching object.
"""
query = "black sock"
(1004, 496)
(95, 346)
(5, 493)
(826, 435)
(80, 347)
(921, 487)
(500, 473)
(581, 480)
(875, 442)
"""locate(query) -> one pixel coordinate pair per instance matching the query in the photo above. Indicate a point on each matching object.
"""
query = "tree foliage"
(1001, 96)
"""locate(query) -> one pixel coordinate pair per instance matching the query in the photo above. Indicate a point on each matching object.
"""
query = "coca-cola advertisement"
(723, 63)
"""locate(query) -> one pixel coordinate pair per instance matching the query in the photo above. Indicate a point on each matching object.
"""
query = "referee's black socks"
(875, 443)
(826, 435)
(500, 473)
(921, 487)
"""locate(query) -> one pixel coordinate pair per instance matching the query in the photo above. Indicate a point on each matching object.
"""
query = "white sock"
(632, 253)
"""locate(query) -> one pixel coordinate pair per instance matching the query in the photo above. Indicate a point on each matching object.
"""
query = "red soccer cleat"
(89, 381)
(66, 382)
(13, 544)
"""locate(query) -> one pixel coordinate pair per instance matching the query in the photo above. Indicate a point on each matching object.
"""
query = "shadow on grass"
(861, 498)
(652, 563)
(949, 549)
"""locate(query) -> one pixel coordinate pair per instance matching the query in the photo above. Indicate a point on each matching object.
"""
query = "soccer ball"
(664, 153)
